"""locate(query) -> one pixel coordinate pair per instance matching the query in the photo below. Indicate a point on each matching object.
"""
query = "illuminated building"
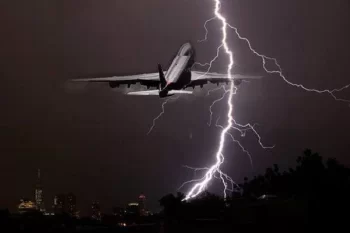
(59, 204)
(137, 208)
(141, 202)
(26, 206)
(71, 204)
(39, 195)
(133, 209)
(95, 211)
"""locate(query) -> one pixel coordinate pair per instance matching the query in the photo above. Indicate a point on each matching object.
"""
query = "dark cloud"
(93, 141)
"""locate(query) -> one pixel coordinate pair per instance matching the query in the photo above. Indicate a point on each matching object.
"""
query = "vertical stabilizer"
(161, 77)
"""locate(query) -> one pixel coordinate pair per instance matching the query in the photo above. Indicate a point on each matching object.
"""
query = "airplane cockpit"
(185, 50)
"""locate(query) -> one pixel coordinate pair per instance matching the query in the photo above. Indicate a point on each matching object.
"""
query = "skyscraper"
(95, 211)
(59, 204)
(39, 196)
(71, 204)
(133, 209)
(142, 199)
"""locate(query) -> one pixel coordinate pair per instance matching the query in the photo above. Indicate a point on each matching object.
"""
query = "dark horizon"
(93, 141)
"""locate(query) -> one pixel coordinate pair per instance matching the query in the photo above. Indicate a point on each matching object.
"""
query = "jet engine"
(237, 81)
(113, 84)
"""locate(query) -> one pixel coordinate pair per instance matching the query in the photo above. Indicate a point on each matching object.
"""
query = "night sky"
(93, 140)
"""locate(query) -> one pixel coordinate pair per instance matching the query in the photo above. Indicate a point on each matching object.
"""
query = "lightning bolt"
(161, 113)
(238, 143)
(279, 71)
(195, 171)
(206, 29)
(215, 89)
(210, 63)
(214, 102)
(201, 184)
(219, 175)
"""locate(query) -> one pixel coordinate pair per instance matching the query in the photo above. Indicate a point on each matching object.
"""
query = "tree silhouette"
(320, 190)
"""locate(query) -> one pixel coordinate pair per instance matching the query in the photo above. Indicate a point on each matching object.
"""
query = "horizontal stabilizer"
(173, 92)
(156, 92)
(152, 92)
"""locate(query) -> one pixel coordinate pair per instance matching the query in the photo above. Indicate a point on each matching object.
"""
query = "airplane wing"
(200, 78)
(151, 79)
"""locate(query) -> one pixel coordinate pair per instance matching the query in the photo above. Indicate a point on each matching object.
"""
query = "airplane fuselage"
(179, 73)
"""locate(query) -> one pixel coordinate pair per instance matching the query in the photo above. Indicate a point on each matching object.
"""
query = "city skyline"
(67, 203)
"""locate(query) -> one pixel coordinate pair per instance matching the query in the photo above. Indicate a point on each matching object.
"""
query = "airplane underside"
(174, 80)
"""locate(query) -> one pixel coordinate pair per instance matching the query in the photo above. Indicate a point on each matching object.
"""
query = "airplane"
(175, 80)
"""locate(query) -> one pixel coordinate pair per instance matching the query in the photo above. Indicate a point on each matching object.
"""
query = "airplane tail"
(161, 77)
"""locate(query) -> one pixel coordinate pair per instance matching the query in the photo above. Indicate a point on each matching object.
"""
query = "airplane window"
(188, 53)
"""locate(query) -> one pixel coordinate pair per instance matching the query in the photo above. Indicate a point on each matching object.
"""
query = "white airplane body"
(178, 77)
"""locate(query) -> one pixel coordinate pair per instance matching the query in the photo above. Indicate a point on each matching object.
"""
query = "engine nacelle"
(237, 82)
(113, 84)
